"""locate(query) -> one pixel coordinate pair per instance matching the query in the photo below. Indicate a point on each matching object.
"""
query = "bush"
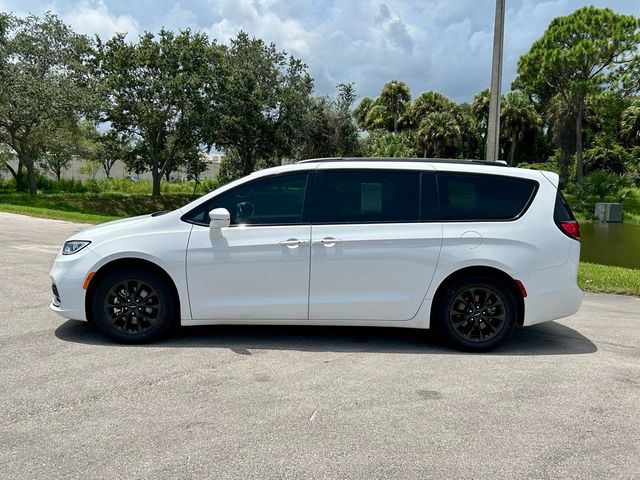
(605, 186)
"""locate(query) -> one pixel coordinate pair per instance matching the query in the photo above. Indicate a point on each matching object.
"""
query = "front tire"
(476, 314)
(132, 305)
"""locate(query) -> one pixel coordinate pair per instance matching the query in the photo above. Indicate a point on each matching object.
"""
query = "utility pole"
(493, 125)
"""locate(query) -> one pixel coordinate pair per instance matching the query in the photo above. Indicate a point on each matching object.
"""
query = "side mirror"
(220, 218)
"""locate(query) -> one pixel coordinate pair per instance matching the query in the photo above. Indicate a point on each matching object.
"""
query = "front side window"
(483, 197)
(367, 196)
(277, 200)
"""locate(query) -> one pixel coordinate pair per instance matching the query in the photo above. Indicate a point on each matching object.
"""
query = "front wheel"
(477, 314)
(133, 306)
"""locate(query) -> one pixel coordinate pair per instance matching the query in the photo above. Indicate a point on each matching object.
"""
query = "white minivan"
(471, 248)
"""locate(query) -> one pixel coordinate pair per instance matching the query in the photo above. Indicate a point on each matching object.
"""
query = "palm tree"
(518, 116)
(378, 118)
(427, 103)
(395, 97)
(362, 110)
(480, 109)
(439, 135)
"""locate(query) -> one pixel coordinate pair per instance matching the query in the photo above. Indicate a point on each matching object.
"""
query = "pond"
(610, 244)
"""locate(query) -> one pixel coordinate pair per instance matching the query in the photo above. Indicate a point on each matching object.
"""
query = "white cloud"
(443, 45)
(95, 17)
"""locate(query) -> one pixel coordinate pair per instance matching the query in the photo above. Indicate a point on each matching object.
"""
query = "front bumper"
(67, 277)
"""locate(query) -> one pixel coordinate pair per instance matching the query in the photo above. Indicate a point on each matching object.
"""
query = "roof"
(499, 163)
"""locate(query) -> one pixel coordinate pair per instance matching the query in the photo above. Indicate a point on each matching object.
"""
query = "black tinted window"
(562, 212)
(368, 196)
(277, 200)
(483, 197)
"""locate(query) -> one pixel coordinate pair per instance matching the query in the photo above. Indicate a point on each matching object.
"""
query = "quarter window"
(368, 196)
(277, 200)
(483, 197)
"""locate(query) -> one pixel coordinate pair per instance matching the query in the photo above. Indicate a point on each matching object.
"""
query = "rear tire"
(132, 306)
(476, 314)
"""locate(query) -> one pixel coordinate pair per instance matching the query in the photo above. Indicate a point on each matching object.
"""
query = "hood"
(91, 232)
(125, 227)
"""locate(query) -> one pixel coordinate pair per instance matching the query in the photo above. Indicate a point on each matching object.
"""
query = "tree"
(329, 130)
(361, 111)
(426, 103)
(575, 57)
(260, 104)
(153, 90)
(43, 81)
(630, 124)
(395, 97)
(382, 143)
(480, 109)
(110, 147)
(517, 116)
(378, 118)
(66, 141)
(439, 135)
(471, 143)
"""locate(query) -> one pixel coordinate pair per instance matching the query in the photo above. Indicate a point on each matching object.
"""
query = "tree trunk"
(395, 117)
(31, 169)
(247, 162)
(17, 174)
(512, 150)
(579, 161)
(156, 176)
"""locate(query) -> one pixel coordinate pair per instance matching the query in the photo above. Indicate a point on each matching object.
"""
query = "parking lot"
(561, 400)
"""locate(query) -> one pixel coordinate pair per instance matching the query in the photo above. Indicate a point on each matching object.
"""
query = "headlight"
(74, 246)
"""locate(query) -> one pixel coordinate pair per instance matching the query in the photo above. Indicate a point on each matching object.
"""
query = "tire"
(132, 305)
(476, 314)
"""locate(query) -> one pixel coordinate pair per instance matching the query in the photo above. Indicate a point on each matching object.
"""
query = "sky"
(442, 45)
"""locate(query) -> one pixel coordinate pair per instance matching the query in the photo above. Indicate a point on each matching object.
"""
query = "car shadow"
(545, 339)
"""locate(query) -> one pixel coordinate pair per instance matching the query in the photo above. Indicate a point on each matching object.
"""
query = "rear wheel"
(477, 314)
(133, 306)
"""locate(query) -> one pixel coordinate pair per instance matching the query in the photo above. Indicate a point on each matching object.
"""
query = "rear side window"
(483, 197)
(562, 212)
(349, 196)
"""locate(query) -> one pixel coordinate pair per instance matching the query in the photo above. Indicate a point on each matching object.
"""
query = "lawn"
(89, 207)
(605, 278)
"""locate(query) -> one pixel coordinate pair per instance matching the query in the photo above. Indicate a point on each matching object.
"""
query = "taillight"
(571, 228)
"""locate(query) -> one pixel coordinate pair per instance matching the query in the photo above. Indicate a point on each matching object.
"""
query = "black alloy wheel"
(477, 314)
(133, 306)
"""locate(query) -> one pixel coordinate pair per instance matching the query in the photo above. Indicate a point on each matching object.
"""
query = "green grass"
(56, 214)
(605, 278)
(92, 207)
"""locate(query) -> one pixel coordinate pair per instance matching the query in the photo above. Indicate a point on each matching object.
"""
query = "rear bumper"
(551, 303)
(552, 293)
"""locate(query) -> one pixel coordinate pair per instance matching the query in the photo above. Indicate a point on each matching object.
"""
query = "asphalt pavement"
(560, 400)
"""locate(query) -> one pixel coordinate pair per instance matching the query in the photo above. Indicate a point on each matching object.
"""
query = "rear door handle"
(293, 243)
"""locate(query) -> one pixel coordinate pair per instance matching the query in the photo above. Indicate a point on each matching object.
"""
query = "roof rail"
(499, 163)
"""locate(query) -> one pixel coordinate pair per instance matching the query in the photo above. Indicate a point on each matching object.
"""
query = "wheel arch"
(129, 262)
(491, 272)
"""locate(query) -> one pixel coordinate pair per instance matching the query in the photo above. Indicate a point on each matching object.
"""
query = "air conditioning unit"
(609, 212)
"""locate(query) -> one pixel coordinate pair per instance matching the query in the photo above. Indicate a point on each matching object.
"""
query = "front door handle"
(292, 243)
(329, 241)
